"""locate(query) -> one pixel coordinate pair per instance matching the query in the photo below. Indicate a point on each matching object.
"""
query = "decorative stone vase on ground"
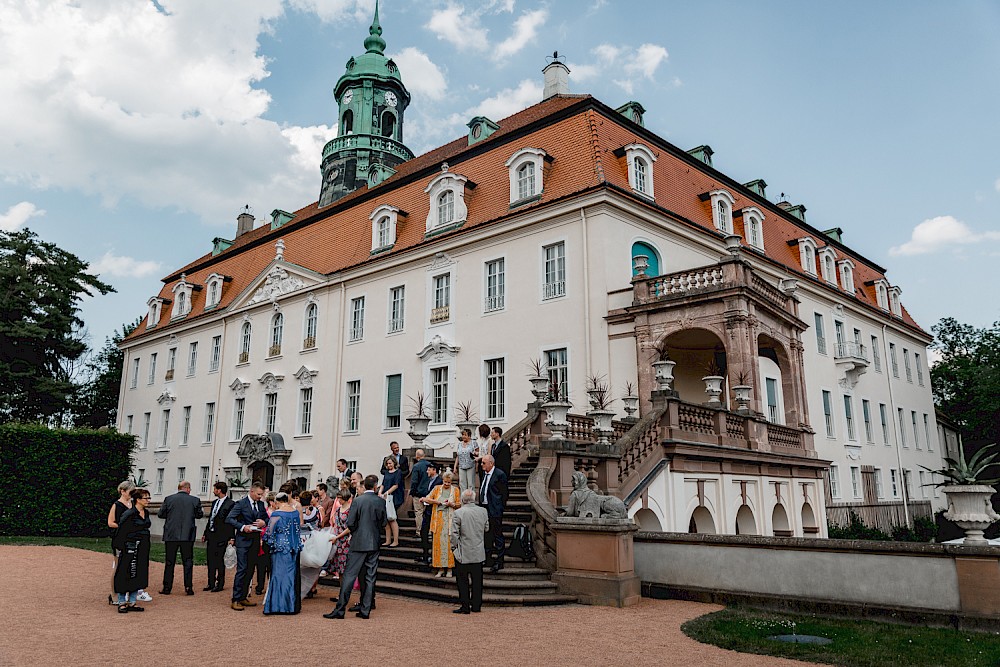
(742, 393)
(969, 507)
(713, 387)
(631, 404)
(664, 374)
(539, 386)
(418, 428)
(556, 422)
(602, 429)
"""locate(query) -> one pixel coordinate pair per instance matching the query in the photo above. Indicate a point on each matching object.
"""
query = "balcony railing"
(357, 333)
(244, 357)
(852, 351)
(554, 289)
(309, 342)
(396, 325)
(170, 374)
(493, 303)
(367, 141)
(274, 350)
(440, 314)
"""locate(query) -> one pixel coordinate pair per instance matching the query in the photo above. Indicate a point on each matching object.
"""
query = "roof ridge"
(598, 162)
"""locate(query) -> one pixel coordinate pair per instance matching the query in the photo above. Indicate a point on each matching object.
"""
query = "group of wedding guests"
(459, 524)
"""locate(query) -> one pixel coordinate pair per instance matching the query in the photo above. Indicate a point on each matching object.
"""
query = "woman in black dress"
(122, 505)
(132, 540)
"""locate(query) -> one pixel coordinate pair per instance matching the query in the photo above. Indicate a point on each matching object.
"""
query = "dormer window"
(214, 284)
(846, 267)
(827, 263)
(526, 178)
(722, 210)
(447, 200)
(155, 305)
(182, 298)
(753, 226)
(640, 168)
(384, 219)
(895, 306)
(807, 255)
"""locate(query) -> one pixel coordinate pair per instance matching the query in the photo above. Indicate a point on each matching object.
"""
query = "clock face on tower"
(348, 96)
(390, 99)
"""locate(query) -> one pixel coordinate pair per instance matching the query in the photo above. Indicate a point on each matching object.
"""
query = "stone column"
(595, 561)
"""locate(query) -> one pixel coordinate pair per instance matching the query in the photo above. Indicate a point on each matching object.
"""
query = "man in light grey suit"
(365, 522)
(179, 512)
(468, 541)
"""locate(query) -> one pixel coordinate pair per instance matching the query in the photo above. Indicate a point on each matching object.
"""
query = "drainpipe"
(895, 435)
(586, 297)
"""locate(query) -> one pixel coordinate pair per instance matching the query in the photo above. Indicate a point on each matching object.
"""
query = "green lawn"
(100, 544)
(855, 643)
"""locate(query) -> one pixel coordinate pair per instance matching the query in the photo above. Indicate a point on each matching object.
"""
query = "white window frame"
(497, 301)
(147, 422)
(849, 418)
(439, 411)
(215, 358)
(129, 419)
(895, 305)
(246, 341)
(158, 484)
(883, 416)
(269, 416)
(894, 480)
(389, 239)
(554, 369)
(893, 360)
(927, 432)
(877, 354)
(834, 480)
(276, 334)
(134, 381)
(753, 227)
(882, 293)
(866, 413)
(206, 473)
(164, 429)
(920, 368)
(396, 321)
(819, 321)
(642, 152)
(828, 264)
(722, 219)
(239, 417)
(192, 366)
(186, 425)
(906, 365)
(439, 186)
(305, 411)
(155, 305)
(846, 268)
(856, 481)
(916, 431)
(558, 288)
(356, 320)
(386, 427)
(536, 156)
(879, 489)
(828, 417)
(182, 291)
(215, 281)
(152, 369)
(494, 411)
(209, 422)
(352, 406)
(310, 326)
(807, 254)
(901, 419)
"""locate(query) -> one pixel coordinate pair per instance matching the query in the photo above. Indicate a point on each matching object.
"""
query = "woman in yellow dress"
(444, 499)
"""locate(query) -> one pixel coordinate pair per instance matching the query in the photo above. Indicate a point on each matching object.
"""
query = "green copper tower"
(371, 99)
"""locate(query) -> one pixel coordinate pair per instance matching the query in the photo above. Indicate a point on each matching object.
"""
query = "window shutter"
(394, 384)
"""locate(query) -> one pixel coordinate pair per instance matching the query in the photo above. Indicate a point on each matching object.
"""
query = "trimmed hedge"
(60, 482)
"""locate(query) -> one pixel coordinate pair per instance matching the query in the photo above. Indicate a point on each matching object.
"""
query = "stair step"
(490, 583)
(493, 599)
(512, 568)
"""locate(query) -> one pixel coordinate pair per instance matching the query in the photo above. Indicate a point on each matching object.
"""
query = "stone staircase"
(518, 584)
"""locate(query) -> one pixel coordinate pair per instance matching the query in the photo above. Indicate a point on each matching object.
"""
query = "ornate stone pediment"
(305, 376)
(262, 447)
(437, 349)
(166, 398)
(270, 382)
(278, 283)
(239, 387)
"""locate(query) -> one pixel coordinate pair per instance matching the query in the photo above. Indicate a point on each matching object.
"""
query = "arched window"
(445, 207)
(277, 328)
(312, 318)
(722, 209)
(213, 293)
(245, 343)
(754, 236)
(383, 229)
(640, 174)
(181, 303)
(388, 124)
(347, 124)
(526, 180)
(653, 258)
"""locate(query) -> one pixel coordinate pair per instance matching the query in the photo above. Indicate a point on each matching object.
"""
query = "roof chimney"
(244, 221)
(556, 77)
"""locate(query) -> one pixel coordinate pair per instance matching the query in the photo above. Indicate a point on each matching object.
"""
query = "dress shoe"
(133, 607)
(164, 591)
(496, 567)
(208, 588)
(362, 614)
(357, 607)
(246, 603)
(189, 591)
(236, 606)
(217, 589)
(460, 610)
(333, 615)
(476, 611)
(259, 591)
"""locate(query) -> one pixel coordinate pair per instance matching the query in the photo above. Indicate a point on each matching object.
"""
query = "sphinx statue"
(588, 504)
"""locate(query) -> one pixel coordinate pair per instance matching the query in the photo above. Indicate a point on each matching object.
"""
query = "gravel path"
(54, 610)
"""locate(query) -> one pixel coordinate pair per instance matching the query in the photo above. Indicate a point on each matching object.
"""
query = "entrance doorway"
(262, 472)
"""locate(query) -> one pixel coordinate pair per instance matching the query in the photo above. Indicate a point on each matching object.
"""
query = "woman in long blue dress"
(282, 536)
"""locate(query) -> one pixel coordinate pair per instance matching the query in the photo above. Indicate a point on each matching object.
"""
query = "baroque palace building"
(568, 233)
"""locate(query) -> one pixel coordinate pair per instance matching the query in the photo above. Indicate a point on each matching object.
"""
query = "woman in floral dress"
(444, 499)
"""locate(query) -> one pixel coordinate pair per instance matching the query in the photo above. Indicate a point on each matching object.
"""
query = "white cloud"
(461, 30)
(525, 28)
(124, 267)
(337, 10)
(18, 214)
(997, 185)
(423, 77)
(629, 64)
(508, 101)
(938, 233)
(308, 143)
(646, 60)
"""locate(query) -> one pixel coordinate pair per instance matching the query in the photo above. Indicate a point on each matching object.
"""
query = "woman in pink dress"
(339, 560)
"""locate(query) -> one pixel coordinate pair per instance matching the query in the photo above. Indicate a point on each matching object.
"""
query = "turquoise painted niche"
(640, 248)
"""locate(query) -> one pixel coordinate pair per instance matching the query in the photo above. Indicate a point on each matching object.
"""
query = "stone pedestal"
(594, 561)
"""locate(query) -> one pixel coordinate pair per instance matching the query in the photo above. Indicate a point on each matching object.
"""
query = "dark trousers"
(425, 534)
(246, 560)
(465, 572)
(187, 558)
(359, 563)
(262, 566)
(495, 543)
(216, 553)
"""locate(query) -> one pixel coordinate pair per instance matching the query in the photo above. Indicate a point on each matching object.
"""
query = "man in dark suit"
(500, 450)
(433, 479)
(493, 496)
(366, 521)
(248, 518)
(468, 529)
(179, 512)
(217, 535)
(402, 462)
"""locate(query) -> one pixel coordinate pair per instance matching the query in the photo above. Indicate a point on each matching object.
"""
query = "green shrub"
(924, 530)
(60, 482)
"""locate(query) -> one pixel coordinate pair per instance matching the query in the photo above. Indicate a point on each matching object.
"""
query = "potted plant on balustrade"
(600, 403)
(630, 401)
(969, 491)
(557, 407)
(664, 367)
(238, 483)
(466, 417)
(742, 390)
(419, 419)
(539, 379)
(713, 383)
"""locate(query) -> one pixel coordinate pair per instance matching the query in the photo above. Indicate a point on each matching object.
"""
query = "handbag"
(316, 550)
(229, 559)
(390, 508)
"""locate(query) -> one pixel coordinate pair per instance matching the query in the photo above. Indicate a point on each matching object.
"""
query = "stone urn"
(639, 265)
(468, 425)
(631, 404)
(742, 393)
(539, 386)
(713, 387)
(969, 507)
(418, 428)
(664, 374)
(602, 429)
(556, 422)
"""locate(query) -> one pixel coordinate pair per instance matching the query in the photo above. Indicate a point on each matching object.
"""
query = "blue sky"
(135, 132)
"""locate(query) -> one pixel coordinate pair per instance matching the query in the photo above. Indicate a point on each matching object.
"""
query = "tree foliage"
(96, 402)
(966, 381)
(41, 286)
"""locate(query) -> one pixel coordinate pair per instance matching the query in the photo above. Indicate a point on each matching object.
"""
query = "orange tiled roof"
(578, 132)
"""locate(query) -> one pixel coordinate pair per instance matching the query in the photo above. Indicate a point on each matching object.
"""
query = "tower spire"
(374, 42)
